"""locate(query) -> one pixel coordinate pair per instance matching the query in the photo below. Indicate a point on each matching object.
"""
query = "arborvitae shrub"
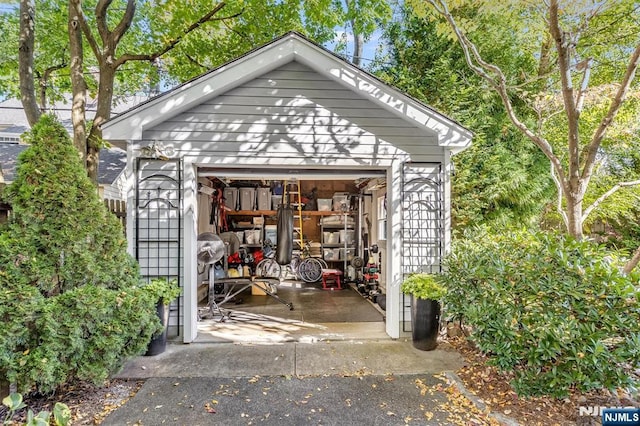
(71, 304)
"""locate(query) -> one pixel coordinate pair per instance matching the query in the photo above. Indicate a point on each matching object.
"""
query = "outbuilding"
(290, 111)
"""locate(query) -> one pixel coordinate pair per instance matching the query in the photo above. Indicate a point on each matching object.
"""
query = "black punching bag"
(284, 237)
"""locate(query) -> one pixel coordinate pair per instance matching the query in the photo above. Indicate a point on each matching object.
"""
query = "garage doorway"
(335, 221)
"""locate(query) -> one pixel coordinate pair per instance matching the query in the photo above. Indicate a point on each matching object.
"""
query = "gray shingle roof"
(112, 162)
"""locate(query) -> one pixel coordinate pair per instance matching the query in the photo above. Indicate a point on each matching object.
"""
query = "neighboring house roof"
(13, 123)
(9, 159)
(292, 46)
(112, 162)
(13, 120)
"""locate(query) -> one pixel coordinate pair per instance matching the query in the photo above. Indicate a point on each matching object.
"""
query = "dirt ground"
(90, 405)
(493, 388)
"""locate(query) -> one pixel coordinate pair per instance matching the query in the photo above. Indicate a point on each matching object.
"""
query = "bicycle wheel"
(310, 270)
(294, 265)
(268, 268)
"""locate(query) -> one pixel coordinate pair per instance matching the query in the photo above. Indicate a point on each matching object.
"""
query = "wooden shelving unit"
(274, 212)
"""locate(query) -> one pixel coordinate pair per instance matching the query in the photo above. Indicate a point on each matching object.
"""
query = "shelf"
(274, 212)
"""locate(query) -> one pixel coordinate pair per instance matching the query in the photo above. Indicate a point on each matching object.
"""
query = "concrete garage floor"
(317, 315)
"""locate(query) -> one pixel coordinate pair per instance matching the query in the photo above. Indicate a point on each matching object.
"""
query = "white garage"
(289, 114)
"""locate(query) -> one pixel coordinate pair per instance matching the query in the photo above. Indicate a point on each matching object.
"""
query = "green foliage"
(501, 180)
(14, 403)
(163, 290)
(557, 312)
(61, 235)
(423, 286)
(70, 300)
(85, 333)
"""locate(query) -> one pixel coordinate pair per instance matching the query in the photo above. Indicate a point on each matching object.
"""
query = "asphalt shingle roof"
(112, 162)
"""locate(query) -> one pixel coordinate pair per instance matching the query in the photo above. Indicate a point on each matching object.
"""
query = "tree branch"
(564, 65)
(101, 20)
(482, 68)
(606, 195)
(43, 83)
(560, 187)
(585, 67)
(82, 21)
(599, 133)
(172, 43)
(633, 262)
(124, 23)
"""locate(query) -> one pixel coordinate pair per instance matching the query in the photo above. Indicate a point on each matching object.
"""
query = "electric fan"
(211, 249)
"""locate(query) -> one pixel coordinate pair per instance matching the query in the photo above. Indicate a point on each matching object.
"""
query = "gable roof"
(291, 47)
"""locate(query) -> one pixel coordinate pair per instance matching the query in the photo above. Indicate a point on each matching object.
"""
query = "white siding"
(292, 116)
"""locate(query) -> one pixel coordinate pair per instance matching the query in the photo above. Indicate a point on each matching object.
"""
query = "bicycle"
(302, 266)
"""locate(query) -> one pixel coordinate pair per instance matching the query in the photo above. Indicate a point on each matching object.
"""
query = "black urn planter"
(425, 323)
(158, 343)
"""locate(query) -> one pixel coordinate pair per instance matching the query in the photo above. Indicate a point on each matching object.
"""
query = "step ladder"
(294, 198)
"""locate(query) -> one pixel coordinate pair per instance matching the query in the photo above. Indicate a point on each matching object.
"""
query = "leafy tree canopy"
(500, 180)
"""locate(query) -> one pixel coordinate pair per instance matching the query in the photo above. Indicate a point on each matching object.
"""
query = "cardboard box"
(257, 288)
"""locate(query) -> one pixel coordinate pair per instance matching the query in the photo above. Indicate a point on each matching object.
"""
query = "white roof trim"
(131, 124)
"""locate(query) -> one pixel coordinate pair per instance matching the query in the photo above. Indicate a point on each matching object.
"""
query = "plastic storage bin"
(271, 233)
(231, 198)
(347, 236)
(341, 201)
(331, 254)
(252, 236)
(330, 237)
(247, 198)
(263, 198)
(348, 252)
(324, 204)
(276, 200)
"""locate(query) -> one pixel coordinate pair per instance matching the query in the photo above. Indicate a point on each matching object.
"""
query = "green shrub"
(86, 333)
(71, 303)
(423, 286)
(557, 312)
(61, 235)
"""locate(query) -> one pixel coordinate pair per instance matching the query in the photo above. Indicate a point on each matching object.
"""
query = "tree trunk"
(25, 61)
(358, 42)
(103, 113)
(78, 83)
(633, 262)
(574, 215)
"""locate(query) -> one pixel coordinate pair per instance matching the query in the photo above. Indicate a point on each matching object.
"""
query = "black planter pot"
(158, 343)
(425, 321)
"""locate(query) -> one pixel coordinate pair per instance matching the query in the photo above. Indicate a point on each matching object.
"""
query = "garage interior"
(332, 286)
